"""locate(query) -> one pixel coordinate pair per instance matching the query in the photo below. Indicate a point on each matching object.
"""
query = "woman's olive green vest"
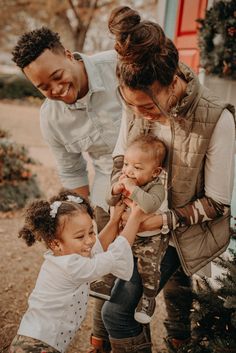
(192, 128)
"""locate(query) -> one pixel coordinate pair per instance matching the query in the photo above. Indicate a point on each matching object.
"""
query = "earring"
(173, 105)
(172, 101)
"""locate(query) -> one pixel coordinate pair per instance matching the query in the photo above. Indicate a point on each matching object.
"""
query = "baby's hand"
(116, 211)
(129, 184)
(117, 188)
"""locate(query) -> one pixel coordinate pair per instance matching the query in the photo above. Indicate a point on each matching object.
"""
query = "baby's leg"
(150, 254)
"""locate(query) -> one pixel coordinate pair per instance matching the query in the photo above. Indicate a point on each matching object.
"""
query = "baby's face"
(140, 165)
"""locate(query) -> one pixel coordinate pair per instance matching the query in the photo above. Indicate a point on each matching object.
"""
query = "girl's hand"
(117, 211)
(134, 210)
(145, 224)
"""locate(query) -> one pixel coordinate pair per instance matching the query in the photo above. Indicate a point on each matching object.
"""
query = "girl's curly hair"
(40, 225)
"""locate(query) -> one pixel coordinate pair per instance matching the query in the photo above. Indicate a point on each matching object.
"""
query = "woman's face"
(143, 105)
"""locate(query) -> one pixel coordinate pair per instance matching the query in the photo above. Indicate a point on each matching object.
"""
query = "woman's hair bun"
(135, 40)
(123, 20)
(145, 54)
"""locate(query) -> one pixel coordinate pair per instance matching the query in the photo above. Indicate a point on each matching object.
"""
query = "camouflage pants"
(23, 344)
(150, 252)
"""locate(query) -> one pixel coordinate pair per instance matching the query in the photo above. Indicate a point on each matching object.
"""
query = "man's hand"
(82, 191)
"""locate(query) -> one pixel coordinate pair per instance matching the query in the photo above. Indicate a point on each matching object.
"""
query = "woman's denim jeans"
(118, 312)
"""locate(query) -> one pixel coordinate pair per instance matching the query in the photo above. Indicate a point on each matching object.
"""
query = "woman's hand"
(149, 221)
(153, 222)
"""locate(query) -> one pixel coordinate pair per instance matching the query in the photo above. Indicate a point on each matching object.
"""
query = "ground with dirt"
(19, 264)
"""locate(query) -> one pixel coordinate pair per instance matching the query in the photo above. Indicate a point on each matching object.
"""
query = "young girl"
(57, 305)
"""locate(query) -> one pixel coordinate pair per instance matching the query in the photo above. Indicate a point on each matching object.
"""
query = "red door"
(186, 30)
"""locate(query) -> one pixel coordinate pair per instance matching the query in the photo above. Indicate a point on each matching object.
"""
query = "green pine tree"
(217, 39)
(214, 312)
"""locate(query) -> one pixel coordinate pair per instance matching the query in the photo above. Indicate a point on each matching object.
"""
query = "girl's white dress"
(58, 303)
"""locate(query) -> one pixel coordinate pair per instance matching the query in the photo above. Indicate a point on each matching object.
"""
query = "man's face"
(57, 75)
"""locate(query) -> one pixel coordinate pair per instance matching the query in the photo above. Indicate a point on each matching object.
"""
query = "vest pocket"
(199, 244)
(220, 230)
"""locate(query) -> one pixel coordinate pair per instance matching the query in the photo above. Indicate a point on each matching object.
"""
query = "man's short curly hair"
(32, 44)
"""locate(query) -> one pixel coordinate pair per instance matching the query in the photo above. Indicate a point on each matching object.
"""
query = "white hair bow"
(76, 199)
(56, 204)
(54, 208)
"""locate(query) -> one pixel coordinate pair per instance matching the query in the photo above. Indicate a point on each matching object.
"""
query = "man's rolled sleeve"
(72, 167)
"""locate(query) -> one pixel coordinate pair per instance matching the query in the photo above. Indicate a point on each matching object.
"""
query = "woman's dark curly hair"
(146, 55)
(32, 44)
(40, 225)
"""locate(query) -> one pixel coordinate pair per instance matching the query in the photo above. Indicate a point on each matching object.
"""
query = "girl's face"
(77, 236)
(143, 105)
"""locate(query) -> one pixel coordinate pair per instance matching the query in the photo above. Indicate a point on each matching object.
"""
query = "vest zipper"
(169, 197)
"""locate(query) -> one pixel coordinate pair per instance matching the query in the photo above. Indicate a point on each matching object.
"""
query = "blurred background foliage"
(17, 183)
(16, 86)
(217, 39)
(82, 24)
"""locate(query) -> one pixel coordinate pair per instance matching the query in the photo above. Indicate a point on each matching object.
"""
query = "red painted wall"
(186, 30)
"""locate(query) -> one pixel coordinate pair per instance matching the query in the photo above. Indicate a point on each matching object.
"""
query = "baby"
(140, 182)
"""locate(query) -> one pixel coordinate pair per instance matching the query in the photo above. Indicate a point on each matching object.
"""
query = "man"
(82, 113)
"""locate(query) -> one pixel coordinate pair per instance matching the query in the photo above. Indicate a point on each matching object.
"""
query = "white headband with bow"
(56, 204)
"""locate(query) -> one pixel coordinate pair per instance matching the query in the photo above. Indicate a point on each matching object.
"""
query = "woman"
(165, 96)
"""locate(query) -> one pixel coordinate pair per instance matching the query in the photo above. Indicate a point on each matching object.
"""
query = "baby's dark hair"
(146, 55)
(151, 144)
(41, 225)
(32, 44)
